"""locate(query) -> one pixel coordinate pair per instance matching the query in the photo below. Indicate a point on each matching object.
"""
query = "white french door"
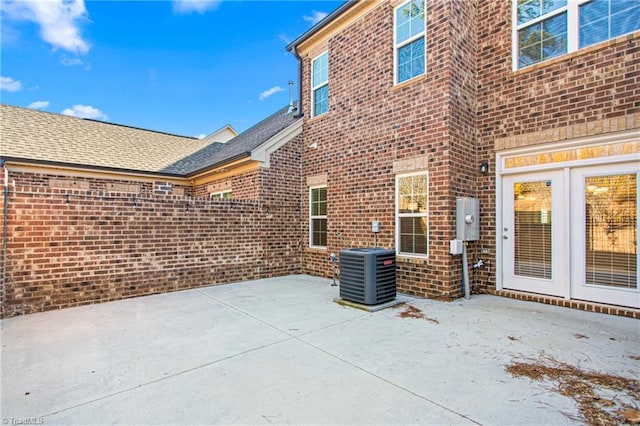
(604, 230)
(573, 233)
(534, 234)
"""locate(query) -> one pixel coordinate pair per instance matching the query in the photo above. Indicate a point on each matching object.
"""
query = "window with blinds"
(411, 214)
(611, 230)
(532, 229)
(318, 217)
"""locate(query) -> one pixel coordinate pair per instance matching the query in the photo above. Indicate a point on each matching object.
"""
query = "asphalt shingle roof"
(245, 142)
(43, 136)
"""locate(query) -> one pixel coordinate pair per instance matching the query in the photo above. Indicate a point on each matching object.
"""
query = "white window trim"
(319, 86)
(573, 29)
(396, 46)
(312, 217)
(398, 215)
(220, 193)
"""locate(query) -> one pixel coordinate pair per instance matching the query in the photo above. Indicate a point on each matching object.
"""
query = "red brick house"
(531, 107)
(95, 211)
(404, 101)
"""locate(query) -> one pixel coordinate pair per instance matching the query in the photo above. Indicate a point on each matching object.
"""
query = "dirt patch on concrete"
(413, 312)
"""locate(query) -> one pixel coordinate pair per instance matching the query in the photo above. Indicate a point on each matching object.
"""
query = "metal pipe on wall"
(465, 272)
(5, 234)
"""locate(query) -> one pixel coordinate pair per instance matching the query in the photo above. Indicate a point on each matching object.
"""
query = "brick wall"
(244, 186)
(279, 195)
(597, 88)
(462, 159)
(3, 188)
(74, 241)
(371, 123)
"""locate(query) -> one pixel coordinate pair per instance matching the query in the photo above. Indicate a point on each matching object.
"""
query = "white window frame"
(319, 86)
(312, 216)
(573, 29)
(220, 194)
(399, 215)
(397, 46)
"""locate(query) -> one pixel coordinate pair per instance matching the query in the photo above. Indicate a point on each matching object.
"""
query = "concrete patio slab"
(282, 351)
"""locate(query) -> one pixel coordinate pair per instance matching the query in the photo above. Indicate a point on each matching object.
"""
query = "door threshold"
(581, 305)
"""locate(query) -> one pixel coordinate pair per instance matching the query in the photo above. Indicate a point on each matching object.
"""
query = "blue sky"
(182, 67)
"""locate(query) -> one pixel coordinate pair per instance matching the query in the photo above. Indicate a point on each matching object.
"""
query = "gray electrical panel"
(467, 219)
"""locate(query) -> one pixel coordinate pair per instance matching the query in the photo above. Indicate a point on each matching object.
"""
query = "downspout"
(295, 53)
(5, 234)
(300, 114)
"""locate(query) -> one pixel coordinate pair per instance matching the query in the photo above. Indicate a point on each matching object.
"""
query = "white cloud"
(198, 6)
(58, 21)
(315, 17)
(264, 95)
(74, 62)
(10, 85)
(285, 38)
(38, 105)
(201, 136)
(85, 111)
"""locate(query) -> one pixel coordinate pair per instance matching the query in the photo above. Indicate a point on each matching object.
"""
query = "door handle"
(505, 237)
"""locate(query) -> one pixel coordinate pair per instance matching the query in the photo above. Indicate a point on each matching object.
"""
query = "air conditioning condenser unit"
(368, 275)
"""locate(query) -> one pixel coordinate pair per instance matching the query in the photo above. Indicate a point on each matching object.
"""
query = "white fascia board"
(263, 152)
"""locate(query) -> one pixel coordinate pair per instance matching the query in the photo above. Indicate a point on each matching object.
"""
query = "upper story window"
(320, 84)
(409, 40)
(544, 29)
(601, 20)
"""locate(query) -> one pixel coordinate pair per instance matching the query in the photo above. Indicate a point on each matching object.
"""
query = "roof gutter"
(87, 167)
(323, 23)
(4, 161)
(293, 46)
(230, 160)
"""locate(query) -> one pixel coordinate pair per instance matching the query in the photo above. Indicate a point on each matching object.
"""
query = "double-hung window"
(409, 40)
(320, 84)
(411, 215)
(544, 29)
(601, 20)
(318, 216)
(223, 195)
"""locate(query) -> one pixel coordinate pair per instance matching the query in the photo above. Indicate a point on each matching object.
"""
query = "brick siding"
(243, 186)
(75, 241)
(468, 104)
(371, 123)
(592, 91)
(116, 239)
(573, 304)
